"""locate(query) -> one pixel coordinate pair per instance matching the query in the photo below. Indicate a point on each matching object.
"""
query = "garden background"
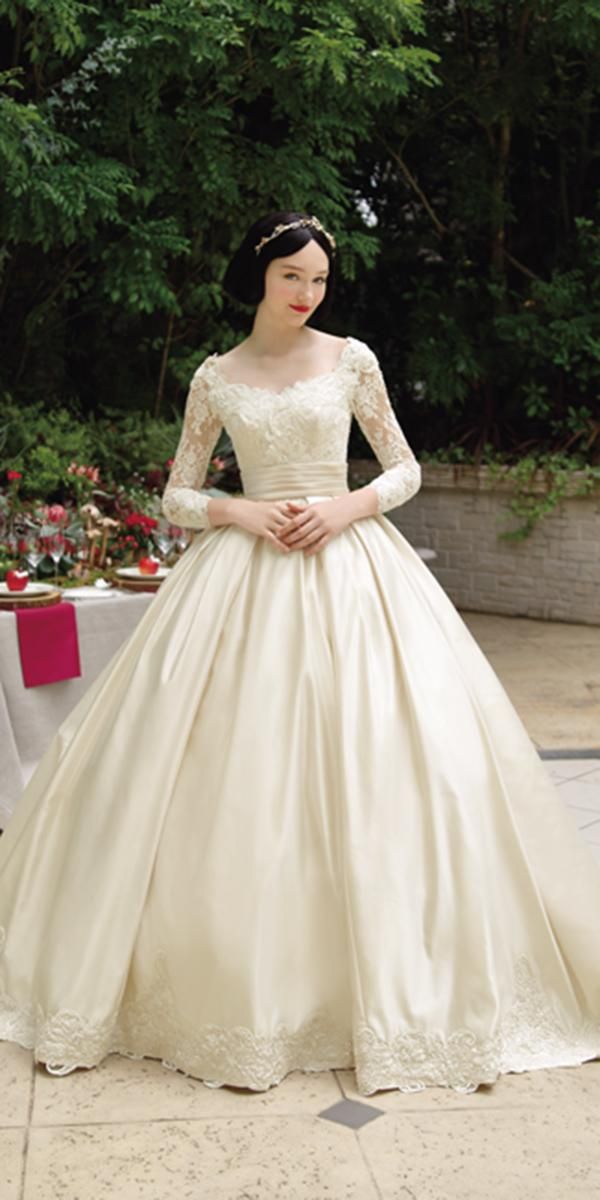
(451, 147)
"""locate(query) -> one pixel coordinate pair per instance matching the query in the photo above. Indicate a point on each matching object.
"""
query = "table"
(30, 716)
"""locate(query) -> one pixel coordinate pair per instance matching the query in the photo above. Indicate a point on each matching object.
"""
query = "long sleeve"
(401, 475)
(182, 502)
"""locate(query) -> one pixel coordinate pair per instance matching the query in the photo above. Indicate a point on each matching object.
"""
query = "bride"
(296, 822)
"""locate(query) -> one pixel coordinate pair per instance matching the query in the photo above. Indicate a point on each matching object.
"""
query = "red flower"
(145, 523)
(10, 475)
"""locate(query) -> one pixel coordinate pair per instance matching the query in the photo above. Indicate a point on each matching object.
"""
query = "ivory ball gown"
(296, 822)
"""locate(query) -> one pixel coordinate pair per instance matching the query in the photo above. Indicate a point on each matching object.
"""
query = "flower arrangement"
(89, 527)
(71, 539)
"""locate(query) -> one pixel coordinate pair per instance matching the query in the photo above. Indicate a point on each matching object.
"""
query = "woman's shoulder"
(351, 350)
(203, 372)
(359, 353)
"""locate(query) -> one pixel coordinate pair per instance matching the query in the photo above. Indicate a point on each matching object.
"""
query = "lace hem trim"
(534, 1034)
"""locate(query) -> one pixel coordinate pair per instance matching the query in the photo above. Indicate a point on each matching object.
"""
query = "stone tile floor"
(135, 1131)
(551, 671)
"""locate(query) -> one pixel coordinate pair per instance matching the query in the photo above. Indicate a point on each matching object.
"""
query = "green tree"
(136, 145)
(485, 196)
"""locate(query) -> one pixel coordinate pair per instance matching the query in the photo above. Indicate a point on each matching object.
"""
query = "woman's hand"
(264, 518)
(311, 526)
(295, 524)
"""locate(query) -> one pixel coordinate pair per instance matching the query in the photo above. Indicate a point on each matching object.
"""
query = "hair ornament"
(313, 222)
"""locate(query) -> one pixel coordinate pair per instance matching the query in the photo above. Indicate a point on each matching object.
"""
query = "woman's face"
(296, 284)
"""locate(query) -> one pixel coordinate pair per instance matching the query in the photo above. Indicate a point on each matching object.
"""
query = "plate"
(87, 592)
(135, 573)
(32, 589)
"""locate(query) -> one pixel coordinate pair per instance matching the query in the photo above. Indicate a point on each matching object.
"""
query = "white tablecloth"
(30, 716)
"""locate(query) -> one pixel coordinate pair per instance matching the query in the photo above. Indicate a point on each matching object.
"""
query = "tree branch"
(439, 226)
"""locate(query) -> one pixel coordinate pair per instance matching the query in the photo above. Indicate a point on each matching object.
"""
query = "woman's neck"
(273, 339)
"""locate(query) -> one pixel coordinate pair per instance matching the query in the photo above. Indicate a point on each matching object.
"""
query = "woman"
(296, 822)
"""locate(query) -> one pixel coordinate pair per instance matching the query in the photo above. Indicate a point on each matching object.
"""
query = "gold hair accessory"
(312, 221)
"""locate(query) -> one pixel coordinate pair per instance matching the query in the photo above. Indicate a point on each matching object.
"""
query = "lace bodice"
(308, 421)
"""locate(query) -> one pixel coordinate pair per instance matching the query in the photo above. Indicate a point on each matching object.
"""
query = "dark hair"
(244, 278)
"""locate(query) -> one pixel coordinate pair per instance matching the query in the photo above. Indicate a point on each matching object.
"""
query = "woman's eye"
(292, 275)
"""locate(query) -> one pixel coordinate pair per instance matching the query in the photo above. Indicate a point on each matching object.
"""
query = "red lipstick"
(300, 307)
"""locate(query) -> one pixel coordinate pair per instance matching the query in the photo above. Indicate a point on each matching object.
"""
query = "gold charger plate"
(148, 583)
(30, 598)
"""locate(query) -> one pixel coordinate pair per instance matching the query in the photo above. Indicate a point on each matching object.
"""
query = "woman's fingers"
(312, 535)
(296, 526)
(317, 546)
(277, 542)
(299, 537)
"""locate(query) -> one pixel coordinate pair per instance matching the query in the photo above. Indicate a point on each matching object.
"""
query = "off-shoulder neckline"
(248, 387)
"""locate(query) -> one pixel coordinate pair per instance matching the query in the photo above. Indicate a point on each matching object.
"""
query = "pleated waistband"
(288, 480)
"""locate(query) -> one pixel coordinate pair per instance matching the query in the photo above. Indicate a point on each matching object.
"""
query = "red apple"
(149, 566)
(16, 581)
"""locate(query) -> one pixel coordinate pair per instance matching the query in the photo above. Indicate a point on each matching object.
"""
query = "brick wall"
(554, 573)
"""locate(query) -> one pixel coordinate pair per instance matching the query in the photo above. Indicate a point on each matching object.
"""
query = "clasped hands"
(298, 525)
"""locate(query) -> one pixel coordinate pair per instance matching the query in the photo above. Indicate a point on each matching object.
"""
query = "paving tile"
(12, 1143)
(591, 833)
(352, 1113)
(16, 1069)
(570, 768)
(559, 1087)
(583, 817)
(581, 794)
(122, 1089)
(537, 1153)
(280, 1158)
(555, 690)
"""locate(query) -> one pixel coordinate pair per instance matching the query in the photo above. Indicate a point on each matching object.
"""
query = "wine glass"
(163, 543)
(56, 546)
(33, 556)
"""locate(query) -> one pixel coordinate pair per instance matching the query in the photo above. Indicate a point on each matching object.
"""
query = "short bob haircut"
(244, 278)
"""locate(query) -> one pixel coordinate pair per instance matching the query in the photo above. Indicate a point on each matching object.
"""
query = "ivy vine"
(527, 504)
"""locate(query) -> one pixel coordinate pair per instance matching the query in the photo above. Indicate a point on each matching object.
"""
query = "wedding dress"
(296, 823)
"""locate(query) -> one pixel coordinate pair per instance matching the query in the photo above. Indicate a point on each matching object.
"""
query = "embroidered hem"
(534, 1034)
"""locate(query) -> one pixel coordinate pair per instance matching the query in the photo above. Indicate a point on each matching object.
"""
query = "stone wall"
(554, 573)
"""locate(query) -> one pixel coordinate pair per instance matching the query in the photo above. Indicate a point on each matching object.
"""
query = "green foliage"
(41, 444)
(484, 303)
(139, 142)
(122, 447)
(562, 474)
(449, 146)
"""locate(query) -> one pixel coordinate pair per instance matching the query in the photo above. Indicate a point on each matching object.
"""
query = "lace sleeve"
(401, 476)
(182, 502)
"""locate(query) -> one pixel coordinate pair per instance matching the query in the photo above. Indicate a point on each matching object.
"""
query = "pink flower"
(92, 473)
(56, 514)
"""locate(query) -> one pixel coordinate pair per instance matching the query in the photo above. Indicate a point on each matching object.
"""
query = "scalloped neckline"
(248, 387)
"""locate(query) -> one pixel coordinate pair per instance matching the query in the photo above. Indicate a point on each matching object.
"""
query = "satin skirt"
(297, 824)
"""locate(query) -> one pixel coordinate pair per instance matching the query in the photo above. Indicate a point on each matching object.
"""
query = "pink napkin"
(48, 643)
